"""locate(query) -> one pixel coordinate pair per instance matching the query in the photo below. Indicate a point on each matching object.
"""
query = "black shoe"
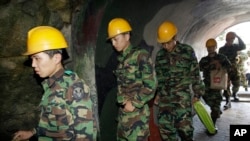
(212, 134)
(227, 106)
(236, 99)
(246, 89)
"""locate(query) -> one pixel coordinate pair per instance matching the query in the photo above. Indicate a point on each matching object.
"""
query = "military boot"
(228, 103)
(236, 98)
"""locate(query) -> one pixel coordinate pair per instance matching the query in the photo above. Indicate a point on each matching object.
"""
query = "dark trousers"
(248, 78)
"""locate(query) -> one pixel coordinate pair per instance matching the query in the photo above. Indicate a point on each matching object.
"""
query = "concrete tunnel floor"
(236, 115)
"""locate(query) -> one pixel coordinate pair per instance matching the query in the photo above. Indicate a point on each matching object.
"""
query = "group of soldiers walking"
(231, 58)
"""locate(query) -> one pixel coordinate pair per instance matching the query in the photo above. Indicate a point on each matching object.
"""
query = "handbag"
(218, 79)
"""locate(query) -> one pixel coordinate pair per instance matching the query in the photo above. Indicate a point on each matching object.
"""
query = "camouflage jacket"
(178, 69)
(206, 66)
(66, 109)
(135, 77)
(231, 51)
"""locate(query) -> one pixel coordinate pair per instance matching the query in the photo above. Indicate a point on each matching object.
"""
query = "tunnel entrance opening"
(241, 29)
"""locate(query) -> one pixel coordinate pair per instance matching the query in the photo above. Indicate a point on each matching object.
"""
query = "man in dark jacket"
(230, 50)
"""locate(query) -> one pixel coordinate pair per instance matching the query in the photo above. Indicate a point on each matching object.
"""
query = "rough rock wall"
(20, 88)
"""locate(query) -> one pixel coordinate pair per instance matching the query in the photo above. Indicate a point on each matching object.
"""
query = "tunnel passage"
(197, 20)
(92, 55)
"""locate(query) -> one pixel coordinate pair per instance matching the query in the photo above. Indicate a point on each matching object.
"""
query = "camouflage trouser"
(234, 80)
(175, 116)
(213, 99)
(133, 126)
(234, 77)
(243, 79)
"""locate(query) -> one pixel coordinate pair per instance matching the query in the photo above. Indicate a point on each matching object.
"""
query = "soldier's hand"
(129, 107)
(22, 135)
(195, 99)
(236, 35)
(156, 100)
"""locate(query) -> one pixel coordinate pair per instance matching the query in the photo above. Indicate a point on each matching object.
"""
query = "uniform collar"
(212, 54)
(51, 80)
(125, 53)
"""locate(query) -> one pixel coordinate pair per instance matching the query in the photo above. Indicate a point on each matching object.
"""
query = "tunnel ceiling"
(214, 18)
(199, 20)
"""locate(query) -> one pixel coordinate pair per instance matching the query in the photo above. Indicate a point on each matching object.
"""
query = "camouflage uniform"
(234, 76)
(241, 59)
(66, 109)
(136, 82)
(177, 72)
(213, 97)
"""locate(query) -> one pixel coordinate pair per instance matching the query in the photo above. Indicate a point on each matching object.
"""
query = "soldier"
(247, 68)
(66, 107)
(230, 50)
(247, 71)
(241, 61)
(210, 62)
(178, 74)
(136, 83)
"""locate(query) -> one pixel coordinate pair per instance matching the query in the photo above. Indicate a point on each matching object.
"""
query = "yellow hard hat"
(43, 38)
(118, 26)
(166, 31)
(211, 43)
